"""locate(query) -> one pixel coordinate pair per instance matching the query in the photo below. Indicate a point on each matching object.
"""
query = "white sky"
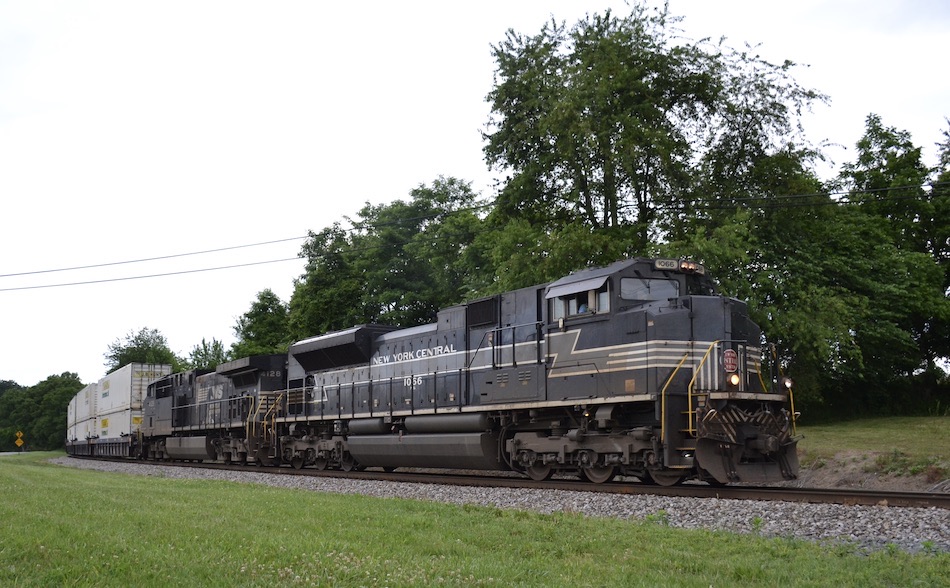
(133, 130)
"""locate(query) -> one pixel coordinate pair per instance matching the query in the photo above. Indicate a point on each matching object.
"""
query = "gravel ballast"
(866, 527)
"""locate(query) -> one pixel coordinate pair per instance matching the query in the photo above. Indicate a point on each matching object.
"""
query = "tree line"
(616, 137)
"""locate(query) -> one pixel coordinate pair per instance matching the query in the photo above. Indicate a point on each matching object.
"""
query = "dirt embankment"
(852, 469)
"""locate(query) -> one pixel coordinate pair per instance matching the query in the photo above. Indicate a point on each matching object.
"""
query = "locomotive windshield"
(700, 286)
(644, 290)
(648, 289)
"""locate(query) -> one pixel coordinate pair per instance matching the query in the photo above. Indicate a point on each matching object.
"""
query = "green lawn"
(66, 527)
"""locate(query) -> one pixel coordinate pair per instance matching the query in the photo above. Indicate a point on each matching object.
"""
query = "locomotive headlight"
(733, 379)
(787, 382)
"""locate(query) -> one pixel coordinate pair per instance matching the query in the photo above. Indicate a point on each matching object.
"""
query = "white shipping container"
(125, 388)
(71, 418)
(86, 403)
(71, 412)
(112, 406)
(81, 414)
(119, 423)
(83, 430)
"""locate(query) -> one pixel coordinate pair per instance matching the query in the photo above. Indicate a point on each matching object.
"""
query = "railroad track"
(621, 486)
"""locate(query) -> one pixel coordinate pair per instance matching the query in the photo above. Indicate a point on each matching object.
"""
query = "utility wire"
(82, 267)
(358, 225)
(195, 271)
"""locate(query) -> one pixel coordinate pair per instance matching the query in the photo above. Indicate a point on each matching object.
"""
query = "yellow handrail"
(692, 383)
(791, 400)
(791, 395)
(663, 396)
(254, 409)
(271, 414)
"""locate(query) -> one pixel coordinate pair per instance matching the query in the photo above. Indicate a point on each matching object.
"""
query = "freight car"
(639, 368)
(104, 417)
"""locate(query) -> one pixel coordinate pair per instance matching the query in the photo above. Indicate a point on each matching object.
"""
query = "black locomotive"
(639, 368)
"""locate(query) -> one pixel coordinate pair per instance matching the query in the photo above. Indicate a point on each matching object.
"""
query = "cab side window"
(581, 303)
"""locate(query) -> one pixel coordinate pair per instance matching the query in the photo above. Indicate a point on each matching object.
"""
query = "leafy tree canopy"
(207, 355)
(6, 385)
(604, 123)
(39, 412)
(263, 329)
(398, 264)
(145, 346)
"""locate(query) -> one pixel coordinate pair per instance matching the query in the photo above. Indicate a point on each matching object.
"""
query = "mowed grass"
(902, 445)
(70, 527)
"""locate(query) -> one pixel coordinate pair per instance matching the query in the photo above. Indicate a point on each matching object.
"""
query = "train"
(640, 368)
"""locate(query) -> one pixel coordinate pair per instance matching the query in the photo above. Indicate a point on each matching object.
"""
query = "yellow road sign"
(19, 442)
(19, 434)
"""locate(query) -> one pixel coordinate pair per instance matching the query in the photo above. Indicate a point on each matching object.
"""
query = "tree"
(603, 124)
(328, 296)
(399, 264)
(6, 385)
(889, 181)
(263, 329)
(39, 412)
(415, 257)
(940, 197)
(207, 355)
(145, 346)
(937, 229)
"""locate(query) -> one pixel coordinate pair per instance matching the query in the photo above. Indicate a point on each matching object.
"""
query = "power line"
(145, 259)
(127, 278)
(361, 225)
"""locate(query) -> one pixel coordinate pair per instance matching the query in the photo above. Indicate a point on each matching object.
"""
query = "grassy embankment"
(65, 527)
(899, 446)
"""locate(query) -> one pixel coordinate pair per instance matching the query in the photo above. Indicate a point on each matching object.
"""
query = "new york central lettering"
(417, 354)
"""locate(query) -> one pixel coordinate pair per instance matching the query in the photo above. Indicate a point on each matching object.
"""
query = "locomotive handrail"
(691, 414)
(663, 396)
(255, 411)
(251, 422)
(500, 330)
(791, 395)
(213, 413)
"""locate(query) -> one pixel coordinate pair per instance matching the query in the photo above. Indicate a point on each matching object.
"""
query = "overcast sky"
(132, 130)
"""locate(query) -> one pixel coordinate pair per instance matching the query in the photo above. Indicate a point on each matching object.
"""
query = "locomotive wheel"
(666, 477)
(539, 473)
(297, 462)
(347, 463)
(321, 463)
(599, 474)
